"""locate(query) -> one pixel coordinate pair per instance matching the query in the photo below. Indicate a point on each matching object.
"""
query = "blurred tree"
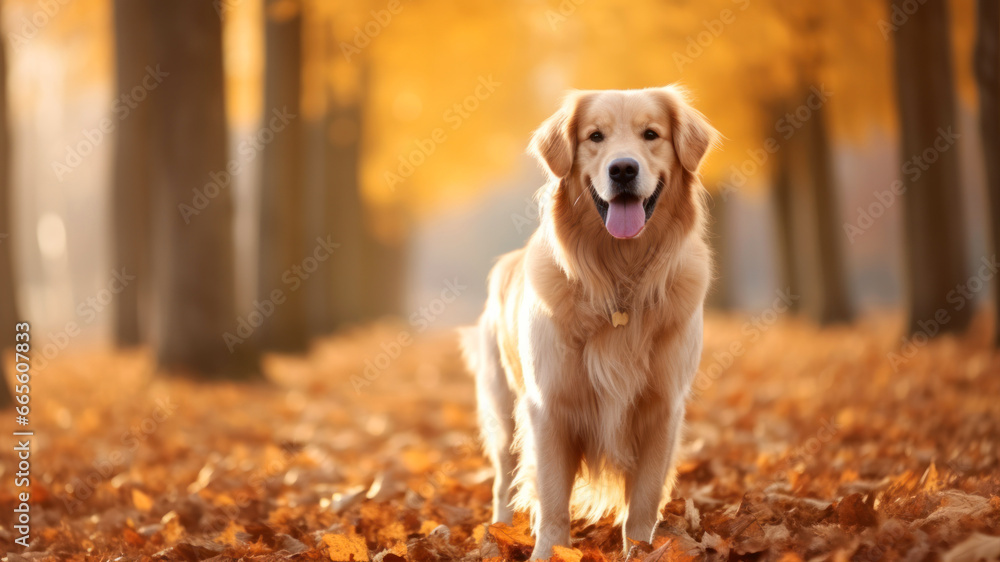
(367, 265)
(344, 211)
(987, 67)
(932, 212)
(342, 216)
(720, 294)
(282, 203)
(8, 297)
(825, 296)
(335, 212)
(810, 238)
(133, 165)
(781, 194)
(193, 226)
(315, 100)
(385, 275)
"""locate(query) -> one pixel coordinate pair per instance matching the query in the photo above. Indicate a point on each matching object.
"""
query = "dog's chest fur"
(609, 373)
(613, 360)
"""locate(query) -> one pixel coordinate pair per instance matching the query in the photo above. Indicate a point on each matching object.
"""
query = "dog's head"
(627, 151)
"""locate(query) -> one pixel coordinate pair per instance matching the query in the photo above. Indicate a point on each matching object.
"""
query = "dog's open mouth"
(626, 215)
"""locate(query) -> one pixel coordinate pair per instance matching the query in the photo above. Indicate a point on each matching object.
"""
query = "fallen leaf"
(563, 554)
(853, 511)
(514, 543)
(141, 501)
(344, 548)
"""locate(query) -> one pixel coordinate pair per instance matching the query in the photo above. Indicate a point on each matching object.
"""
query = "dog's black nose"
(623, 170)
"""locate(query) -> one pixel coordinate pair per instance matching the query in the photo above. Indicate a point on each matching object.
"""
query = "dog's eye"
(596, 136)
(650, 134)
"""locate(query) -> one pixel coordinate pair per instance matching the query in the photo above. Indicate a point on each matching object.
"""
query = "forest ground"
(806, 444)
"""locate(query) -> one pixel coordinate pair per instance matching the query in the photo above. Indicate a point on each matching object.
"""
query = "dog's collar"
(619, 318)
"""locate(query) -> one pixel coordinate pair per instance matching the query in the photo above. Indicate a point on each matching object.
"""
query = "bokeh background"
(204, 147)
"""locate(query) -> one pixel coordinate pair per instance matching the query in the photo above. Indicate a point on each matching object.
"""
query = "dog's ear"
(554, 143)
(692, 135)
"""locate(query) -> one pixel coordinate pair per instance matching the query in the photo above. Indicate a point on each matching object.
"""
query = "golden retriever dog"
(592, 333)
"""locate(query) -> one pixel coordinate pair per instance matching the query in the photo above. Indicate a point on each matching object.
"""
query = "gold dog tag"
(619, 319)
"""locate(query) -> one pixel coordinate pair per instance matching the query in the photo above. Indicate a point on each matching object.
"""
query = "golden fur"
(568, 400)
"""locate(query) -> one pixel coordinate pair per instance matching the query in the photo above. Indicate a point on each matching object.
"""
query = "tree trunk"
(132, 168)
(385, 276)
(317, 292)
(332, 125)
(198, 332)
(282, 237)
(8, 297)
(834, 303)
(932, 212)
(364, 279)
(370, 263)
(346, 215)
(367, 273)
(720, 294)
(987, 63)
(820, 272)
(782, 196)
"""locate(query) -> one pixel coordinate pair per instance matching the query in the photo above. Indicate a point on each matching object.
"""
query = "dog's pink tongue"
(626, 217)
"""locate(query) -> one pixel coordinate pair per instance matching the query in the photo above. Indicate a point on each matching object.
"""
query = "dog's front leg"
(647, 484)
(557, 461)
(659, 432)
(551, 444)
